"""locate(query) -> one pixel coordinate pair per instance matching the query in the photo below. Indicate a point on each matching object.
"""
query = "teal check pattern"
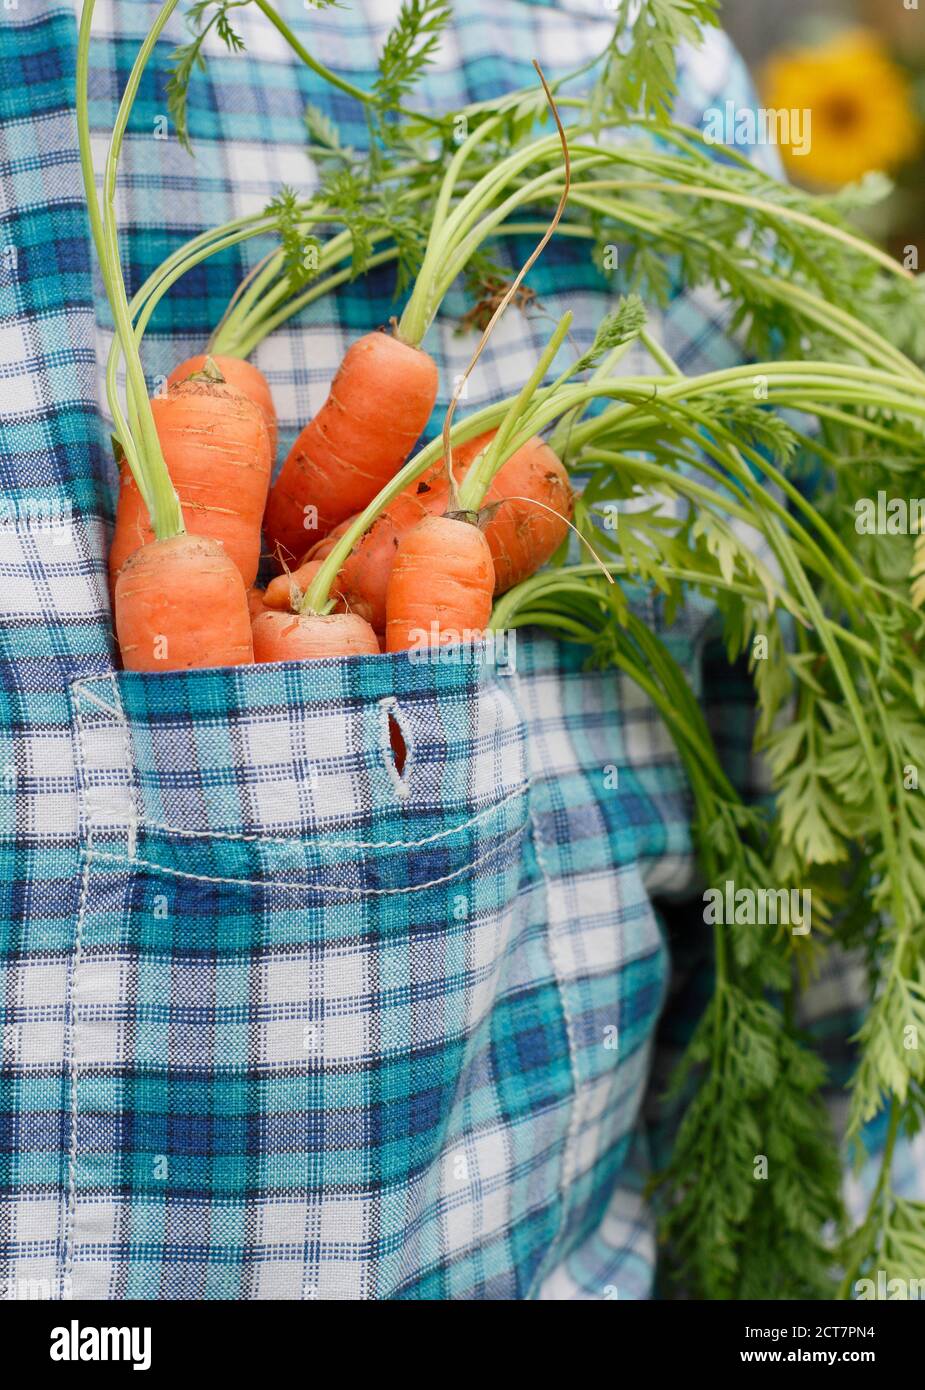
(280, 1021)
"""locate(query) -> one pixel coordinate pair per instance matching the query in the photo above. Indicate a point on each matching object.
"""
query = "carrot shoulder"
(280, 636)
(244, 377)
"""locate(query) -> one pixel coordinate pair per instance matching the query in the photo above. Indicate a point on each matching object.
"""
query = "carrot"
(215, 445)
(278, 593)
(181, 603)
(441, 586)
(244, 377)
(379, 402)
(255, 601)
(521, 536)
(298, 636)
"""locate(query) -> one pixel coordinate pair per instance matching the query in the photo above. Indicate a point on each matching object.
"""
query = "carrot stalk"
(479, 478)
(143, 455)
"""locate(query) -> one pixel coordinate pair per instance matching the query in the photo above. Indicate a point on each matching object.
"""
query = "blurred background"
(859, 65)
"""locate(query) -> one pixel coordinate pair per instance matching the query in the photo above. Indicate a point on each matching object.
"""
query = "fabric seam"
(515, 795)
(308, 887)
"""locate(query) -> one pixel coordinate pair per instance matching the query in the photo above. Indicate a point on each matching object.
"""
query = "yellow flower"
(862, 115)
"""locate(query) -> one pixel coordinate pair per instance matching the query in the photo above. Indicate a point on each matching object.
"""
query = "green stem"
(770, 210)
(877, 1197)
(480, 476)
(452, 227)
(317, 290)
(225, 337)
(153, 478)
(341, 83)
(98, 233)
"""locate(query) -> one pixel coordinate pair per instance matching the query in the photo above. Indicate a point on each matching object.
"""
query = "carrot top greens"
(136, 435)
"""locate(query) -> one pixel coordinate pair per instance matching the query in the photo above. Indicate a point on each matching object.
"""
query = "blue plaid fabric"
(279, 1021)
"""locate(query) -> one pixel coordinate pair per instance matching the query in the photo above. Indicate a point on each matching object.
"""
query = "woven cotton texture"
(280, 1021)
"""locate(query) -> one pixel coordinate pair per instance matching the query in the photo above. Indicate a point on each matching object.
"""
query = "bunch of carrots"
(366, 565)
(425, 571)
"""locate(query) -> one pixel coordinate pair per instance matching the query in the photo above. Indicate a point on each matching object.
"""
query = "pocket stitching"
(341, 844)
(305, 885)
(388, 705)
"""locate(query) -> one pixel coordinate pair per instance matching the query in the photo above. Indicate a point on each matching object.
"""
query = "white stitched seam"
(71, 1214)
(341, 844)
(571, 1130)
(119, 714)
(82, 692)
(84, 830)
(306, 886)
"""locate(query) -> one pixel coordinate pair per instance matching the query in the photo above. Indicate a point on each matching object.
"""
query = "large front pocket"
(299, 1040)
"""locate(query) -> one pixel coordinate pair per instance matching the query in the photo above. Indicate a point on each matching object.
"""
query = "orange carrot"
(298, 636)
(217, 453)
(441, 586)
(278, 593)
(242, 375)
(521, 536)
(181, 603)
(379, 403)
(255, 601)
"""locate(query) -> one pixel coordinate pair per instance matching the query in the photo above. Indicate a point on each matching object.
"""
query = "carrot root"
(441, 586)
(379, 402)
(299, 636)
(217, 453)
(181, 604)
